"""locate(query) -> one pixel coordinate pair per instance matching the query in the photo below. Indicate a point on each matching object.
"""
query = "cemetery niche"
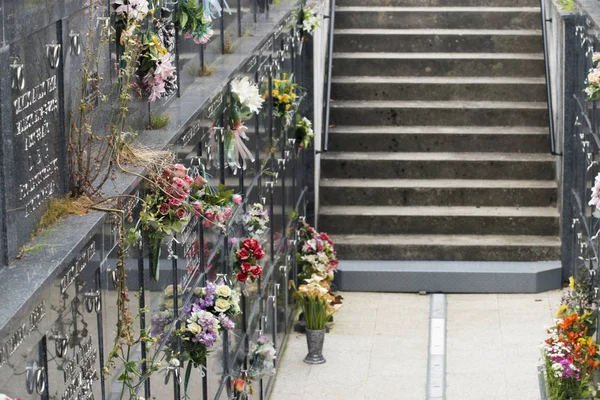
(160, 128)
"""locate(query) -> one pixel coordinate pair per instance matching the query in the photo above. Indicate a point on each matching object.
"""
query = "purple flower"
(262, 339)
(226, 323)
(159, 322)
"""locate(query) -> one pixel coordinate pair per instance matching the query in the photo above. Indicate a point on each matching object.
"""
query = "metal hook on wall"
(18, 76)
(75, 43)
(53, 54)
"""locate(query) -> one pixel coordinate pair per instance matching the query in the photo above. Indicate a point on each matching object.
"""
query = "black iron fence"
(57, 335)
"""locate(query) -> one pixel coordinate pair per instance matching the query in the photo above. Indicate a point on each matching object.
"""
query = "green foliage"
(189, 15)
(158, 121)
(220, 197)
(566, 5)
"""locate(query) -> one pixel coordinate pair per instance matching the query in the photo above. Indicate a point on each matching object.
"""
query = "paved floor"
(378, 349)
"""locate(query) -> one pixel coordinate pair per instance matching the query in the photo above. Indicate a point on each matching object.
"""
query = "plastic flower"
(164, 68)
(247, 94)
(595, 198)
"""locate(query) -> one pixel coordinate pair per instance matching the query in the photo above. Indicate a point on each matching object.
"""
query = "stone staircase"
(439, 149)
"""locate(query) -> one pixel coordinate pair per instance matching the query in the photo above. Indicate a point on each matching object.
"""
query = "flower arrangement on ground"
(261, 359)
(316, 254)
(245, 101)
(256, 221)
(316, 302)
(246, 260)
(195, 22)
(304, 132)
(165, 209)
(570, 354)
(593, 79)
(318, 306)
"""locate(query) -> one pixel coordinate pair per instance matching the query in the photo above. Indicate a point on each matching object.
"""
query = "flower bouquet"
(592, 89)
(215, 206)
(318, 306)
(261, 360)
(195, 22)
(166, 209)
(285, 98)
(316, 254)
(246, 260)
(208, 314)
(256, 221)
(304, 132)
(156, 69)
(245, 101)
(307, 20)
(570, 354)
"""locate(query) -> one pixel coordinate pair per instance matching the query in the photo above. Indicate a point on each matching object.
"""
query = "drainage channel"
(436, 361)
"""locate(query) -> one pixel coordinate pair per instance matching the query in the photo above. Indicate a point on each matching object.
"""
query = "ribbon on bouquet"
(209, 5)
(236, 148)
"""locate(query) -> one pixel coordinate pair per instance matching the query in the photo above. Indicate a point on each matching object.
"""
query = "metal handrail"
(548, 80)
(328, 77)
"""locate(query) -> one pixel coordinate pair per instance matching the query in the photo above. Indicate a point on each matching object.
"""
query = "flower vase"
(154, 257)
(314, 340)
(261, 368)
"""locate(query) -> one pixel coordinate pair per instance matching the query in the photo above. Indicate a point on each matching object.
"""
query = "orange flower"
(568, 321)
(238, 385)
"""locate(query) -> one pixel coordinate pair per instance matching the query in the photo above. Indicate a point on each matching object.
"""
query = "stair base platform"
(448, 276)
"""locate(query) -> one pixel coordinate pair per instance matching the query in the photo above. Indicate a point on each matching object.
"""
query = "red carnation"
(246, 267)
(243, 254)
(255, 271)
(241, 277)
(259, 253)
(180, 213)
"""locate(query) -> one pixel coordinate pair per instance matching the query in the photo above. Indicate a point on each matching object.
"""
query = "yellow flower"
(285, 98)
(561, 310)
(571, 283)
(287, 107)
(275, 92)
(293, 96)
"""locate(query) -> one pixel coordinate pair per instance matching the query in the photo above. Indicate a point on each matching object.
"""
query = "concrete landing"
(449, 276)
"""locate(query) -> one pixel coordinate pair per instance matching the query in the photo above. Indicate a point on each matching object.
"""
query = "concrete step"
(438, 64)
(447, 247)
(437, 166)
(386, 17)
(438, 88)
(437, 192)
(524, 139)
(439, 3)
(448, 113)
(390, 220)
(448, 277)
(437, 40)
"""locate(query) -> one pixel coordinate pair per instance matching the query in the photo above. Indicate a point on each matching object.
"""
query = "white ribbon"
(208, 5)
